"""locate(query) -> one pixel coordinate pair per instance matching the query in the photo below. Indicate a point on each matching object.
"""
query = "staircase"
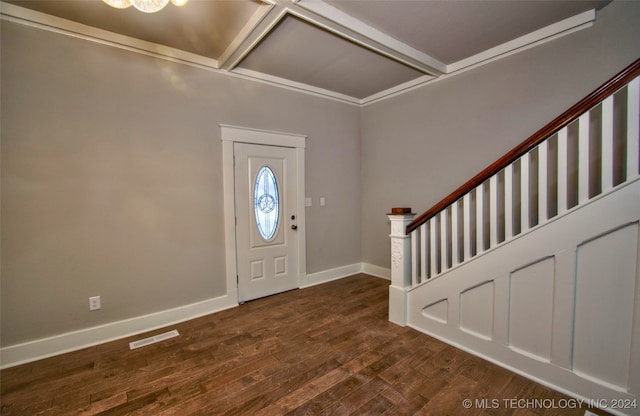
(534, 264)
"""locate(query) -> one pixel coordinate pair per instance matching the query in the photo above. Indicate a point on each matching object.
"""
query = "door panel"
(265, 192)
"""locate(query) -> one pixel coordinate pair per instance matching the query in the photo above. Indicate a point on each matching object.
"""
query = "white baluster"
(633, 128)
(479, 219)
(424, 251)
(562, 171)
(466, 225)
(525, 222)
(583, 158)
(414, 257)
(433, 264)
(455, 236)
(444, 219)
(508, 202)
(607, 144)
(493, 211)
(543, 152)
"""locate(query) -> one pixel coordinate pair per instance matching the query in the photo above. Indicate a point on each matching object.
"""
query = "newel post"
(400, 264)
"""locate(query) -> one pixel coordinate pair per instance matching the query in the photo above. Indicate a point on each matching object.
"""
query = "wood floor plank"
(281, 384)
(334, 394)
(359, 397)
(323, 350)
(376, 406)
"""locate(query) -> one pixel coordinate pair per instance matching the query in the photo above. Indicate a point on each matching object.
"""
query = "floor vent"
(152, 340)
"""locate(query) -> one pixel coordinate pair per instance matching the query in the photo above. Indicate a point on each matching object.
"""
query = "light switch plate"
(308, 202)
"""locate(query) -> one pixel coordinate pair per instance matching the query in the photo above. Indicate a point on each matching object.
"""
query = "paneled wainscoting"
(327, 349)
(560, 304)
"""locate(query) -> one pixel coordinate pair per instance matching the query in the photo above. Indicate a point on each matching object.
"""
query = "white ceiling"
(356, 51)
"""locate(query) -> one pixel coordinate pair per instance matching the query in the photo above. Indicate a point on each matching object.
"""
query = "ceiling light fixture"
(147, 6)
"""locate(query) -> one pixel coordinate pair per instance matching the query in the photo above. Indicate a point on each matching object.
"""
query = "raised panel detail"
(605, 289)
(280, 265)
(257, 269)
(476, 310)
(531, 308)
(438, 311)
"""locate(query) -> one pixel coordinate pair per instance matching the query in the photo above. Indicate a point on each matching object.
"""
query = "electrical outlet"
(94, 303)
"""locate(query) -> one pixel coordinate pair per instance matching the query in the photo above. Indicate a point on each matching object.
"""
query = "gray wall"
(420, 146)
(112, 180)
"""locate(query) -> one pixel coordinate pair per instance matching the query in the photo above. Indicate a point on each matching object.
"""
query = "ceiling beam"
(348, 27)
(327, 17)
(245, 33)
(257, 28)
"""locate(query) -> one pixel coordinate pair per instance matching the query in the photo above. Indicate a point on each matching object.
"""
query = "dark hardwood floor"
(327, 349)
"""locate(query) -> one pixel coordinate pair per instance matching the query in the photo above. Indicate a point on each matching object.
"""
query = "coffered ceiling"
(356, 51)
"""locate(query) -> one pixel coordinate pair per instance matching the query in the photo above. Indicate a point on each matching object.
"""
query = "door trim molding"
(234, 134)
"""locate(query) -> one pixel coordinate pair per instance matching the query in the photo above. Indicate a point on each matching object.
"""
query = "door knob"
(294, 227)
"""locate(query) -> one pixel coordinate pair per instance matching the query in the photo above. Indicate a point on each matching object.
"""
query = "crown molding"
(28, 17)
(400, 89)
(537, 37)
(293, 85)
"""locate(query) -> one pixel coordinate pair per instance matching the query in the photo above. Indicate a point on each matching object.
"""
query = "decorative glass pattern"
(266, 201)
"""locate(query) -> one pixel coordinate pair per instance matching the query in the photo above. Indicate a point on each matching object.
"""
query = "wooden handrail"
(590, 101)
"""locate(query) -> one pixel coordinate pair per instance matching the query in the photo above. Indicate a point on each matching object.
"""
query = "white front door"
(266, 219)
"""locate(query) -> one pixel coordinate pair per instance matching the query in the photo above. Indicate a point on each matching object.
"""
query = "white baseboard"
(72, 341)
(376, 271)
(59, 344)
(345, 271)
(332, 274)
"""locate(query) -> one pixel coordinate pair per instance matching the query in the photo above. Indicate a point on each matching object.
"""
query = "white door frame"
(230, 135)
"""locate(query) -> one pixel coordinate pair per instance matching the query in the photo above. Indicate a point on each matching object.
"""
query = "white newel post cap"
(400, 264)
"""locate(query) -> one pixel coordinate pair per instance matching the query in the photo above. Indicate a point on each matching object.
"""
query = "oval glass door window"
(266, 202)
